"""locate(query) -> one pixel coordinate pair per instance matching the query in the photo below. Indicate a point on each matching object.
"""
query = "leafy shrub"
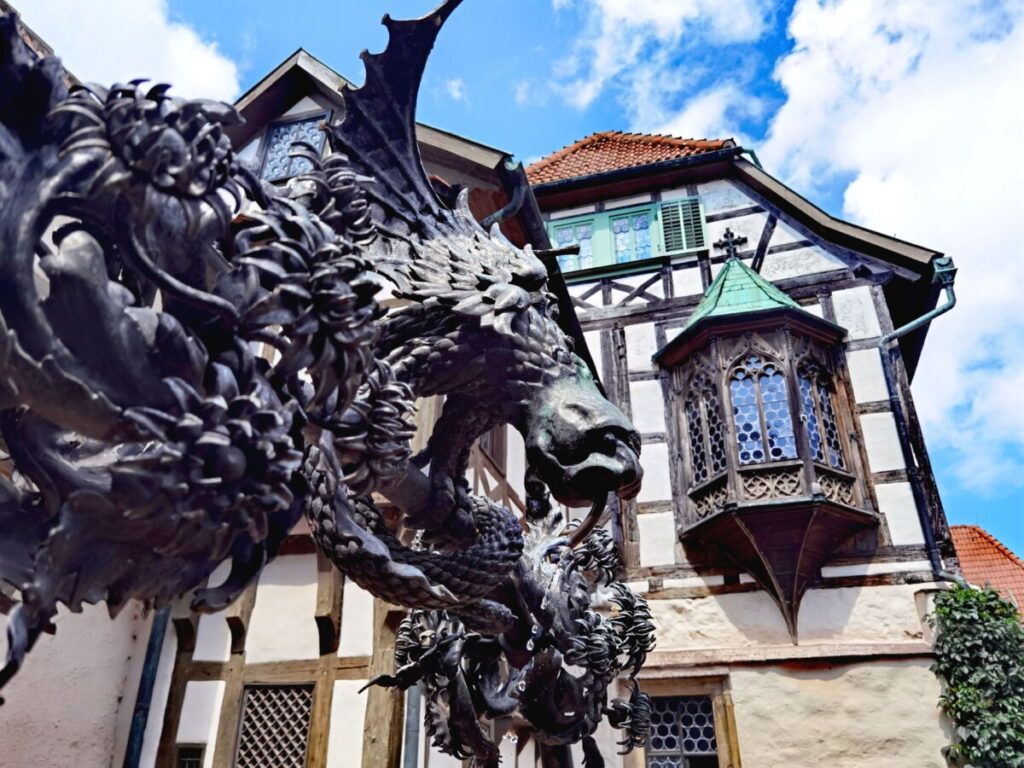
(979, 651)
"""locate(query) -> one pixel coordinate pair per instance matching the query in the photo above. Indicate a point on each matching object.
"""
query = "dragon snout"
(612, 467)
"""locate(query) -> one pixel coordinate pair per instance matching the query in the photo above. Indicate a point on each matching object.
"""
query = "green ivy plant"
(979, 650)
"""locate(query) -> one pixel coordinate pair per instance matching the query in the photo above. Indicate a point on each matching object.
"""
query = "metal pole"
(133, 752)
(411, 745)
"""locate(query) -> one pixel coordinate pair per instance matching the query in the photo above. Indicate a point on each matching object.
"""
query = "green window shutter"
(682, 225)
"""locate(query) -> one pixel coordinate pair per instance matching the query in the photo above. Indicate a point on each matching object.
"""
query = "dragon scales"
(151, 436)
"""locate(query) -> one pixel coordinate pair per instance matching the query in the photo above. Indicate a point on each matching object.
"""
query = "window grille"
(682, 733)
(190, 756)
(682, 225)
(275, 726)
(581, 234)
(277, 163)
(760, 407)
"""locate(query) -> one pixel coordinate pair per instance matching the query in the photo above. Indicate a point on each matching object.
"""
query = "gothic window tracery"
(819, 415)
(706, 430)
(277, 160)
(761, 414)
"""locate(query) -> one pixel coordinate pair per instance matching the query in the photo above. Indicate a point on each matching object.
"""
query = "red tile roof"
(985, 560)
(611, 150)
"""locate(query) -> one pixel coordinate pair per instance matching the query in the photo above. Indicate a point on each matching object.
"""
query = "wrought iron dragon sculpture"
(192, 359)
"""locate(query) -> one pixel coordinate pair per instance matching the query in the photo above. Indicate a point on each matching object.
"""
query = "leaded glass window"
(581, 234)
(819, 416)
(632, 236)
(761, 415)
(277, 162)
(682, 733)
(706, 430)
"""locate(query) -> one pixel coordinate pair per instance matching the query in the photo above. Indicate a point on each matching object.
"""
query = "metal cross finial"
(729, 241)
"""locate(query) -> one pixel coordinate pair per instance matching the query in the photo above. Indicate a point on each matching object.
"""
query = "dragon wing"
(426, 249)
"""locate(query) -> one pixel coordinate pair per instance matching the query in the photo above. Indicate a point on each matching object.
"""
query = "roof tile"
(985, 560)
(612, 150)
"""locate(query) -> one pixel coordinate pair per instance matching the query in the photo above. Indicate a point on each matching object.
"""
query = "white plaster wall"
(285, 597)
(515, 461)
(213, 638)
(883, 614)
(716, 196)
(640, 345)
(855, 311)
(63, 708)
(687, 282)
(657, 538)
(881, 714)
(648, 406)
(348, 718)
(356, 621)
(593, 339)
(565, 213)
(656, 485)
(802, 261)
(625, 202)
(881, 442)
(896, 503)
(200, 714)
(749, 226)
(865, 366)
(305, 104)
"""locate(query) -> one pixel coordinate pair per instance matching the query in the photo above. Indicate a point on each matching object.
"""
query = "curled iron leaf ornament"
(191, 359)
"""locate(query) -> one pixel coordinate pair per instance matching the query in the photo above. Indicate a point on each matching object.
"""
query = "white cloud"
(918, 102)
(631, 43)
(456, 88)
(714, 113)
(522, 91)
(107, 41)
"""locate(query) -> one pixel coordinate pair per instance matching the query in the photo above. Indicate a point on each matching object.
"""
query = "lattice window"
(760, 407)
(275, 726)
(581, 234)
(705, 429)
(632, 236)
(277, 163)
(682, 733)
(819, 416)
(189, 756)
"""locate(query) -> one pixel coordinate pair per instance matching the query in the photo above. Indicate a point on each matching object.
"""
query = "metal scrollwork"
(191, 359)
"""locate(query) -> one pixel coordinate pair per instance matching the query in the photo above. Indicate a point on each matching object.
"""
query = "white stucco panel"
(717, 196)
(593, 339)
(686, 281)
(855, 311)
(200, 714)
(881, 714)
(348, 717)
(640, 345)
(657, 538)
(802, 261)
(213, 639)
(896, 502)
(303, 105)
(356, 621)
(285, 597)
(515, 461)
(865, 367)
(648, 406)
(882, 442)
(654, 460)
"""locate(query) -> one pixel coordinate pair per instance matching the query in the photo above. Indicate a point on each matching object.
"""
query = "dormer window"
(278, 164)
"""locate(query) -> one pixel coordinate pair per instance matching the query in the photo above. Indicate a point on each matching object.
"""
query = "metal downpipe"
(945, 273)
(147, 681)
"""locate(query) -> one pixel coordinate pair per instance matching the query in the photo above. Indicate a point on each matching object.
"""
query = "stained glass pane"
(716, 430)
(828, 418)
(811, 418)
(695, 429)
(642, 234)
(584, 236)
(280, 137)
(624, 249)
(777, 419)
(564, 237)
(746, 418)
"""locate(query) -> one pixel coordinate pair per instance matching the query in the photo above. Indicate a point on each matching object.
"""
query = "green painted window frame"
(603, 237)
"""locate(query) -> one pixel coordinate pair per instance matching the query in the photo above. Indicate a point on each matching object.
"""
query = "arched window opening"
(706, 431)
(760, 408)
(819, 415)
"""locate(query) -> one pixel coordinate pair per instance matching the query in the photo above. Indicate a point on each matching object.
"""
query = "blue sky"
(902, 116)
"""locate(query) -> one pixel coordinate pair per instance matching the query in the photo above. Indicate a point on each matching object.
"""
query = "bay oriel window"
(773, 486)
(630, 235)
